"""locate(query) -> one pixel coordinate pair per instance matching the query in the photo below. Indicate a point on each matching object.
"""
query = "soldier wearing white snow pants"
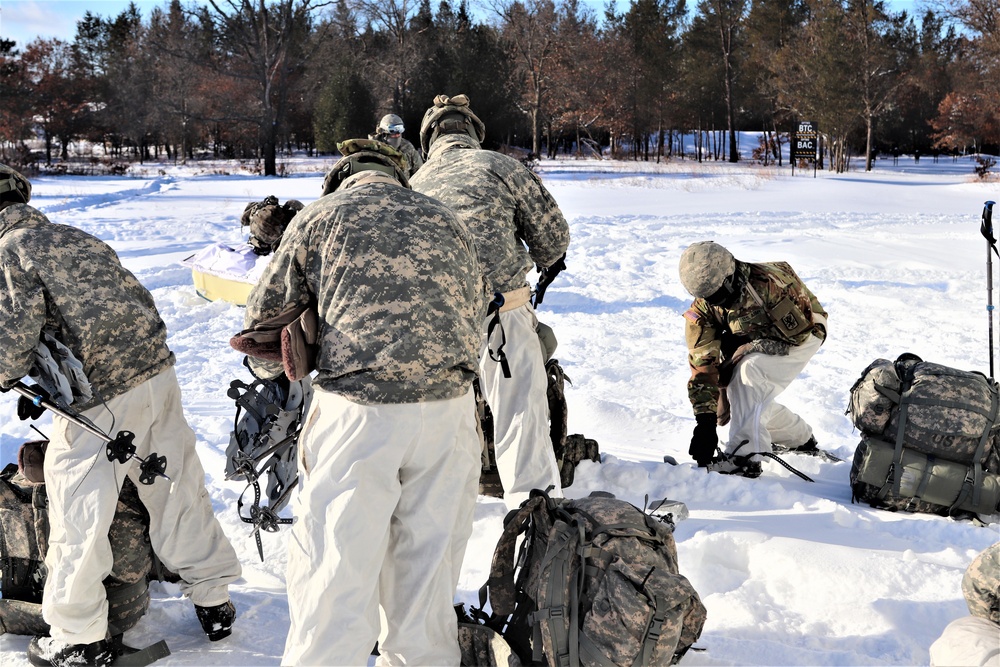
(65, 292)
(753, 327)
(389, 455)
(515, 222)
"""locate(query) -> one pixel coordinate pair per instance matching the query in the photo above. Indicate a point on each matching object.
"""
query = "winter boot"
(808, 447)
(217, 621)
(48, 652)
(736, 465)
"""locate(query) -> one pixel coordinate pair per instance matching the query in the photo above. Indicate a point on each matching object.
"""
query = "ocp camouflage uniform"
(975, 639)
(515, 222)
(755, 416)
(63, 280)
(389, 455)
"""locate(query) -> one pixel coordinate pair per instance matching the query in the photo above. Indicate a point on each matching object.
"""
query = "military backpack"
(929, 438)
(595, 583)
(24, 539)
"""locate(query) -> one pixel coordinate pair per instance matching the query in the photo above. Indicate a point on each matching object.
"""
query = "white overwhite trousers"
(83, 487)
(756, 417)
(385, 507)
(520, 408)
(969, 641)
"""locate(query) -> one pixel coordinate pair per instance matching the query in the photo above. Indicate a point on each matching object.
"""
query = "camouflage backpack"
(928, 438)
(596, 583)
(24, 535)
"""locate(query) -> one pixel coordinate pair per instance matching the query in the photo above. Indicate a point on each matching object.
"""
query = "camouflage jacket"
(412, 155)
(504, 204)
(63, 280)
(397, 288)
(705, 325)
(981, 584)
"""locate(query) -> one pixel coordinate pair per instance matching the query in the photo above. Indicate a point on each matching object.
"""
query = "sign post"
(805, 141)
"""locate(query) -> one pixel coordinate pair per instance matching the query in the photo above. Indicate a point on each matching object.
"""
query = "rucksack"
(928, 438)
(595, 583)
(24, 539)
(264, 443)
(569, 450)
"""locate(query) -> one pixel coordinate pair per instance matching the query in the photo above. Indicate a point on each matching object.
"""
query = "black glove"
(705, 440)
(26, 408)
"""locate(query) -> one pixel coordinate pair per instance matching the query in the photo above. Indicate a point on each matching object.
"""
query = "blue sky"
(24, 20)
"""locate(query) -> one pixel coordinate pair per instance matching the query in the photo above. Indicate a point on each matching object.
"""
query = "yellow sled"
(217, 288)
(223, 273)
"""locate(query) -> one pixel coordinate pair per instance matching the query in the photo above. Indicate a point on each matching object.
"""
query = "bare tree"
(530, 28)
(728, 17)
(266, 44)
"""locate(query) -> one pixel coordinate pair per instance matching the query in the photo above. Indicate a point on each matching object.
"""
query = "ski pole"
(987, 231)
(120, 447)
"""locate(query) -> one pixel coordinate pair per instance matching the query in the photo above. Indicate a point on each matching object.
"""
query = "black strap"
(771, 455)
(545, 278)
(126, 656)
(262, 518)
(499, 356)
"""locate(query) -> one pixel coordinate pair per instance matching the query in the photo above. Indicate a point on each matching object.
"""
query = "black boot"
(808, 447)
(744, 466)
(217, 621)
(48, 652)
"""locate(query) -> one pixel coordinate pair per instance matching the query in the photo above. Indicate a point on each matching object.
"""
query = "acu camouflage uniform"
(388, 457)
(705, 326)
(412, 155)
(981, 585)
(61, 279)
(396, 290)
(504, 204)
(974, 639)
(515, 222)
(116, 332)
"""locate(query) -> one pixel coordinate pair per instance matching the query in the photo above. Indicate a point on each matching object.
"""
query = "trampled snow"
(792, 573)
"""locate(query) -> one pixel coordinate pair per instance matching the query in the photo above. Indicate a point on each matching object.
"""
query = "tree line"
(252, 79)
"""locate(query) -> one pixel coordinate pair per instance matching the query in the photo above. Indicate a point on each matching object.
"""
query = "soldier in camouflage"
(750, 331)
(389, 454)
(71, 285)
(974, 639)
(390, 131)
(516, 223)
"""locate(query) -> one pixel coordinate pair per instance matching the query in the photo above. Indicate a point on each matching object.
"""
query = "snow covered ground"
(792, 573)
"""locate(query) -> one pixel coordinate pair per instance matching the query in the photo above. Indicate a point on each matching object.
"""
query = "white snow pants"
(385, 506)
(83, 488)
(520, 408)
(755, 416)
(970, 641)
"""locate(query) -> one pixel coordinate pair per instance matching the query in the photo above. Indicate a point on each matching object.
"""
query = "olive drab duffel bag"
(24, 532)
(929, 438)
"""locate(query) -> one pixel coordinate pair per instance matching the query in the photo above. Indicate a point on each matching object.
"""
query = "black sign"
(804, 141)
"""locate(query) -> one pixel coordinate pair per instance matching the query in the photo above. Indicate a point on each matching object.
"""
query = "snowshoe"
(808, 448)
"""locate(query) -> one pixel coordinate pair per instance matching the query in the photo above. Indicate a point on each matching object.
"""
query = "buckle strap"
(499, 356)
